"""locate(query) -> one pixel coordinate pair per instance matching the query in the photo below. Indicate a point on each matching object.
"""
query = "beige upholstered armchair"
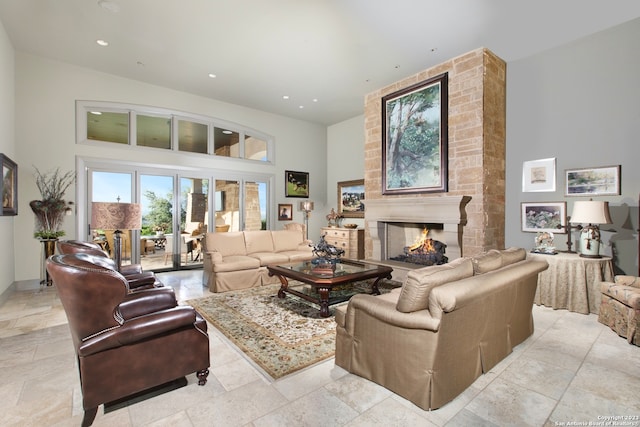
(620, 307)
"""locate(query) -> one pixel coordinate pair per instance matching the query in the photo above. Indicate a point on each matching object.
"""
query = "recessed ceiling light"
(285, 97)
(213, 76)
(315, 99)
(102, 42)
(301, 107)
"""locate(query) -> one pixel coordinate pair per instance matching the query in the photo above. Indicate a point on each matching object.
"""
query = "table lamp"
(306, 207)
(118, 217)
(592, 213)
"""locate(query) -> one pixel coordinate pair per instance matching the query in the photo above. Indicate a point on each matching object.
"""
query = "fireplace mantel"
(446, 210)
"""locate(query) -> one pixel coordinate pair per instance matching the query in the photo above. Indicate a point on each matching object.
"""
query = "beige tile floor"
(573, 370)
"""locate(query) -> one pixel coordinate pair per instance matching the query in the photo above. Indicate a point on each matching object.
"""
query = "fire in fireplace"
(425, 251)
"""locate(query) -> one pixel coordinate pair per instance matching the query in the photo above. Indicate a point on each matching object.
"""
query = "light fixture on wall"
(306, 207)
(117, 217)
(591, 213)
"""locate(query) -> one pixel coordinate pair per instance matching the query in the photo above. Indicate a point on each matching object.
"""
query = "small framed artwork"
(544, 216)
(9, 186)
(285, 212)
(600, 181)
(539, 175)
(296, 184)
(415, 138)
(351, 198)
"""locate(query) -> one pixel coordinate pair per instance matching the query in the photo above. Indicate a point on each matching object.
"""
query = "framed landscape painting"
(351, 198)
(9, 186)
(296, 184)
(545, 216)
(601, 181)
(415, 138)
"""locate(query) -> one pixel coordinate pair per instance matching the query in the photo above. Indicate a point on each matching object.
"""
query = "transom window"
(157, 128)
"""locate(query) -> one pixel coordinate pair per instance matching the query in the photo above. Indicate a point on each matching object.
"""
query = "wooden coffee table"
(323, 281)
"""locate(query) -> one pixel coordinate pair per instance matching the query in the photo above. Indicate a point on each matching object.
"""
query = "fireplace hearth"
(424, 252)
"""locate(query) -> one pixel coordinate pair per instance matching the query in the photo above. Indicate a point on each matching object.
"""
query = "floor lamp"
(306, 207)
(118, 217)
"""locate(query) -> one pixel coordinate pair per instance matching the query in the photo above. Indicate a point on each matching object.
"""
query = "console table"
(572, 282)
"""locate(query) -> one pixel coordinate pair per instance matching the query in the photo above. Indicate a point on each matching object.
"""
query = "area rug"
(281, 336)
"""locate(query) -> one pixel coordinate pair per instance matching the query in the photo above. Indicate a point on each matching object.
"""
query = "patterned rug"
(280, 335)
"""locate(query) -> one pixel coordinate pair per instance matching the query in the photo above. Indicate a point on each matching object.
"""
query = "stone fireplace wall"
(477, 123)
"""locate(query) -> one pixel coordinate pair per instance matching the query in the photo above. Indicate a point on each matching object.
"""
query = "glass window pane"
(255, 205)
(226, 143)
(153, 132)
(193, 205)
(255, 148)
(156, 244)
(109, 127)
(192, 137)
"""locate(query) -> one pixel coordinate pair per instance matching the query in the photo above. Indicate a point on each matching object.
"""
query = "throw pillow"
(512, 255)
(486, 262)
(415, 291)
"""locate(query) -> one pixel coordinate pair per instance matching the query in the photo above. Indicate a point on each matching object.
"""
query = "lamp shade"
(591, 212)
(116, 216)
(306, 206)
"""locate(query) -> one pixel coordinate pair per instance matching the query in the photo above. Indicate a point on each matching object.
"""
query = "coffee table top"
(345, 271)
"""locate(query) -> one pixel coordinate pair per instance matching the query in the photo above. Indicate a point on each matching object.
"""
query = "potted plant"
(52, 208)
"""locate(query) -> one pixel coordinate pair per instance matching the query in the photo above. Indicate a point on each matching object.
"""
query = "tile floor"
(572, 371)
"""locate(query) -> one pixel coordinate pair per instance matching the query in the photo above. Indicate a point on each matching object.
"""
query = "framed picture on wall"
(539, 175)
(285, 212)
(296, 184)
(351, 198)
(9, 186)
(544, 216)
(415, 138)
(600, 181)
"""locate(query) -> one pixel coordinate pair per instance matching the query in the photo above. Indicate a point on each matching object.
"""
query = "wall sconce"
(118, 217)
(592, 213)
(306, 207)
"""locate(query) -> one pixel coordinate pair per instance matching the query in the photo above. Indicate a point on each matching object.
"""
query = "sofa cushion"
(286, 240)
(258, 241)
(267, 258)
(226, 243)
(512, 255)
(415, 291)
(486, 262)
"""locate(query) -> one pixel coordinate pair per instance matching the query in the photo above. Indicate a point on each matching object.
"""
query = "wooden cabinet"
(351, 240)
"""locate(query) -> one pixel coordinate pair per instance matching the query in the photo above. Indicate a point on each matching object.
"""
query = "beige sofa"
(238, 260)
(430, 339)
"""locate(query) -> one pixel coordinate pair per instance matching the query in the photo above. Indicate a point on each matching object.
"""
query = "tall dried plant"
(50, 210)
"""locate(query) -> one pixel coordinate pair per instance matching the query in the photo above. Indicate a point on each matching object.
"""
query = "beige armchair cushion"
(512, 255)
(414, 295)
(486, 262)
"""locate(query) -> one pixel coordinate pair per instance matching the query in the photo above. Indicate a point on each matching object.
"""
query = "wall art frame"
(544, 216)
(415, 138)
(9, 186)
(296, 184)
(285, 212)
(539, 175)
(598, 181)
(351, 198)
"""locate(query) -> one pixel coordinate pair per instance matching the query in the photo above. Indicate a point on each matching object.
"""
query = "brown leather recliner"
(136, 277)
(125, 342)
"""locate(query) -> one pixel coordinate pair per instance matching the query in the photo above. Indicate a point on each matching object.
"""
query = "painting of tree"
(415, 138)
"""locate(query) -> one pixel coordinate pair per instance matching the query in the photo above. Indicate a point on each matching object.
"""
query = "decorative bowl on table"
(350, 226)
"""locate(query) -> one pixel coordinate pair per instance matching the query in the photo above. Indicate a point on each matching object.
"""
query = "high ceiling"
(325, 55)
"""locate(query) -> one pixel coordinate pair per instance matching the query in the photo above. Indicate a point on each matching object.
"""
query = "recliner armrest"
(138, 329)
(147, 301)
(128, 269)
(144, 279)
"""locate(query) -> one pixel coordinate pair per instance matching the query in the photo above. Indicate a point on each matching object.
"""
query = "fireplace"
(424, 251)
(394, 223)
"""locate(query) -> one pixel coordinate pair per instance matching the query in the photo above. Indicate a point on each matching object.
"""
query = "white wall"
(345, 159)
(46, 92)
(580, 104)
(7, 147)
